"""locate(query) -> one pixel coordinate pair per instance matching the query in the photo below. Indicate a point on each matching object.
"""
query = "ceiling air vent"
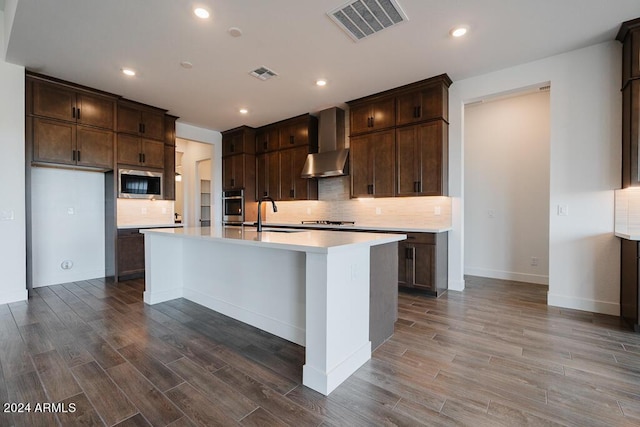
(263, 73)
(362, 18)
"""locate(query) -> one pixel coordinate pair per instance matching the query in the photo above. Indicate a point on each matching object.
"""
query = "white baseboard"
(162, 296)
(273, 326)
(507, 275)
(326, 382)
(593, 306)
(455, 285)
(13, 296)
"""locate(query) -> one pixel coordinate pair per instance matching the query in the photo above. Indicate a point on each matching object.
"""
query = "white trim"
(14, 296)
(273, 326)
(326, 382)
(162, 296)
(456, 285)
(575, 303)
(507, 275)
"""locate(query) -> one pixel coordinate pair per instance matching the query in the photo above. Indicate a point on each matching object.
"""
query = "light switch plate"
(7, 215)
(563, 210)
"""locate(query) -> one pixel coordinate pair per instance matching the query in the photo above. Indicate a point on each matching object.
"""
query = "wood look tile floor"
(492, 355)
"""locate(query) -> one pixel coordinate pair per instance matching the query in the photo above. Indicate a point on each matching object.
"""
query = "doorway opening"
(195, 205)
(506, 186)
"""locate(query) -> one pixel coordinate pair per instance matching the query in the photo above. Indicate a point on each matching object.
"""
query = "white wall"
(585, 152)
(506, 187)
(211, 148)
(67, 224)
(12, 177)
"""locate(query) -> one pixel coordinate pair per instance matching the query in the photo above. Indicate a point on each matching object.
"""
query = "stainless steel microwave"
(137, 184)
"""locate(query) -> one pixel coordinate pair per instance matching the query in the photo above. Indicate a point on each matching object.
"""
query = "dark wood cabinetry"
(169, 190)
(410, 157)
(136, 151)
(629, 35)
(373, 164)
(422, 159)
(139, 119)
(267, 139)
(130, 253)
(629, 277)
(372, 115)
(239, 161)
(422, 263)
(283, 148)
(69, 126)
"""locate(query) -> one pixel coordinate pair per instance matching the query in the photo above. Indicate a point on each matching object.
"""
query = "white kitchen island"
(309, 287)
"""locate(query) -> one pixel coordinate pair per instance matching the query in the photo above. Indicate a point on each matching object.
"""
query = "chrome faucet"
(273, 204)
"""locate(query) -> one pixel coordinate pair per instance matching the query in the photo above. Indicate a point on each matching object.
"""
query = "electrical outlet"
(534, 261)
(437, 211)
(308, 211)
(71, 211)
(563, 210)
(164, 210)
(143, 211)
(378, 211)
(67, 264)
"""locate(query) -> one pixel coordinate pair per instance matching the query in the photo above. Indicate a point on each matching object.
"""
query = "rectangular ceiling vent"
(263, 73)
(362, 18)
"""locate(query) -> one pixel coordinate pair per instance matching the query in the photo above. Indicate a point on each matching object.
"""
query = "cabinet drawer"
(428, 238)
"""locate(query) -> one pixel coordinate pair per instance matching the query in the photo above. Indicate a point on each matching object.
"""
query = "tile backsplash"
(428, 212)
(627, 211)
(144, 212)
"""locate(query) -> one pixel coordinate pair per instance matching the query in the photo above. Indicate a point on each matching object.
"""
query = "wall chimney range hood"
(331, 159)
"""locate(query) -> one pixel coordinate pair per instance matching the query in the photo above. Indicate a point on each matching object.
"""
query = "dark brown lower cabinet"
(422, 263)
(629, 276)
(130, 253)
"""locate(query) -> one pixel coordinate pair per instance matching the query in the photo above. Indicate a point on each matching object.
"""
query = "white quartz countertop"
(627, 236)
(295, 240)
(355, 227)
(151, 226)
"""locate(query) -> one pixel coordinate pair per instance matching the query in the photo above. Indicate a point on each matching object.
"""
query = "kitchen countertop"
(293, 240)
(356, 227)
(151, 226)
(627, 236)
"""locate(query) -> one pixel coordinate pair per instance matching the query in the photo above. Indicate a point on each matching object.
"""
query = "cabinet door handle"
(74, 155)
(291, 139)
(412, 255)
(416, 186)
(78, 114)
(292, 193)
(233, 182)
(139, 157)
(370, 189)
(139, 127)
(265, 194)
(73, 112)
(78, 152)
(419, 111)
(144, 158)
(232, 148)
(415, 112)
(266, 145)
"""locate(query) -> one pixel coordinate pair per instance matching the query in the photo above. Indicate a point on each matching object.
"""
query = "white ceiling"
(89, 41)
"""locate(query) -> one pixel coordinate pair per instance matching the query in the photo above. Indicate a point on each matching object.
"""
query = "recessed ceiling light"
(186, 64)
(243, 111)
(459, 31)
(234, 32)
(128, 72)
(321, 82)
(201, 13)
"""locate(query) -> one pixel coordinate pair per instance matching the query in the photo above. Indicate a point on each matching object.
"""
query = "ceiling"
(90, 41)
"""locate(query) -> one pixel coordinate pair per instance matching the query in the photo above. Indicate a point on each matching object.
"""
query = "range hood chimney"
(331, 158)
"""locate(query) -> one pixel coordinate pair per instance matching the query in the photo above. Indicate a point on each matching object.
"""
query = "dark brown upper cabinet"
(629, 35)
(141, 120)
(372, 115)
(267, 139)
(422, 159)
(57, 101)
(373, 164)
(295, 132)
(268, 175)
(432, 102)
(292, 186)
(65, 143)
(240, 140)
(136, 151)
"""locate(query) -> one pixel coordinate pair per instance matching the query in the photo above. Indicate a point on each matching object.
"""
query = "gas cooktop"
(328, 222)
